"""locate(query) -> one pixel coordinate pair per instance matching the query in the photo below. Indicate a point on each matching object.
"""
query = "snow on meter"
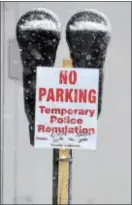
(66, 108)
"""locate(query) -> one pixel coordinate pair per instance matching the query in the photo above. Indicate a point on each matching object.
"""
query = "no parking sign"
(66, 108)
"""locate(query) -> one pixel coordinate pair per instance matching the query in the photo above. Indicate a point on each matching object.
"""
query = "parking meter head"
(38, 34)
(88, 34)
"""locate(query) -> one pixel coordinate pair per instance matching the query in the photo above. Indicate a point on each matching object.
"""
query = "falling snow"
(36, 54)
(88, 57)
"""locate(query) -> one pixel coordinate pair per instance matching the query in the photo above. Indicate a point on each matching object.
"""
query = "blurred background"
(99, 177)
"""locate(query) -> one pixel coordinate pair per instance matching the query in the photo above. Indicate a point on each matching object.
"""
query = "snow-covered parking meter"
(38, 36)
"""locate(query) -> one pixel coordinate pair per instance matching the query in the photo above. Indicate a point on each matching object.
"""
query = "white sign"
(66, 108)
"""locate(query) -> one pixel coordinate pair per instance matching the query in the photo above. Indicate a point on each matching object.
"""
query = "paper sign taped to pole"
(66, 108)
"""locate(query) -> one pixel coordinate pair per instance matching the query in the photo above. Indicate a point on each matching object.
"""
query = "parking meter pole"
(62, 169)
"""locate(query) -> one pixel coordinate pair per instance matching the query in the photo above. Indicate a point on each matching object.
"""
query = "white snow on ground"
(88, 25)
(43, 23)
